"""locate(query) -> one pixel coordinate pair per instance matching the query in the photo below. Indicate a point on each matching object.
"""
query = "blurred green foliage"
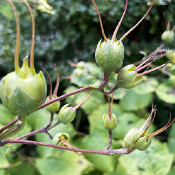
(71, 31)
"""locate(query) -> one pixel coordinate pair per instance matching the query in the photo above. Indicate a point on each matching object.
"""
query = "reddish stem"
(117, 28)
(103, 152)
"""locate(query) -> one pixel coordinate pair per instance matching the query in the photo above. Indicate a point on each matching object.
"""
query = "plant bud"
(131, 137)
(109, 55)
(66, 114)
(58, 137)
(127, 77)
(171, 56)
(172, 80)
(142, 143)
(23, 94)
(168, 36)
(110, 124)
(54, 107)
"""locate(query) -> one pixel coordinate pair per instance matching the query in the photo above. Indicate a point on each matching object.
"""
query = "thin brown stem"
(168, 26)
(67, 95)
(141, 68)
(57, 84)
(33, 37)
(83, 102)
(151, 70)
(8, 125)
(100, 20)
(16, 60)
(117, 28)
(110, 140)
(123, 37)
(103, 152)
(173, 28)
(45, 129)
(14, 130)
(49, 81)
(109, 109)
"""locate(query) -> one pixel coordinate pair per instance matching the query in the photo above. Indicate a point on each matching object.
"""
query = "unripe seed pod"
(22, 95)
(168, 36)
(127, 77)
(142, 143)
(66, 114)
(109, 55)
(171, 56)
(81, 65)
(110, 124)
(172, 80)
(131, 137)
(54, 107)
(58, 137)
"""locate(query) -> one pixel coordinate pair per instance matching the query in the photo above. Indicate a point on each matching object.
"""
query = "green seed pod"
(127, 78)
(171, 56)
(131, 137)
(109, 55)
(142, 143)
(66, 114)
(172, 80)
(60, 136)
(168, 36)
(23, 94)
(110, 124)
(81, 65)
(54, 107)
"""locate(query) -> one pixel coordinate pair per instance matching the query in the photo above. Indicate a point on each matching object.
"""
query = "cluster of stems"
(7, 131)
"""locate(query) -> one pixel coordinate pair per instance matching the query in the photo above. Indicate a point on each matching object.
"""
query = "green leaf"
(101, 162)
(2, 172)
(96, 121)
(96, 99)
(66, 163)
(6, 115)
(148, 85)
(156, 160)
(165, 92)
(133, 101)
(24, 168)
(171, 139)
(41, 120)
(119, 94)
(3, 159)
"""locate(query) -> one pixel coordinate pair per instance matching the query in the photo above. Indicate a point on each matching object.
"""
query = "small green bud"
(142, 143)
(81, 65)
(168, 36)
(109, 55)
(172, 80)
(171, 56)
(110, 124)
(66, 114)
(54, 107)
(23, 94)
(131, 137)
(127, 77)
(60, 136)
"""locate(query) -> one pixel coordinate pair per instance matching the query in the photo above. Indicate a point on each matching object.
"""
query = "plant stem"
(33, 38)
(45, 129)
(110, 140)
(12, 131)
(8, 125)
(103, 152)
(116, 30)
(67, 95)
(16, 60)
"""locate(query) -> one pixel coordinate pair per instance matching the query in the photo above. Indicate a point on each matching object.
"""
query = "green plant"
(90, 87)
